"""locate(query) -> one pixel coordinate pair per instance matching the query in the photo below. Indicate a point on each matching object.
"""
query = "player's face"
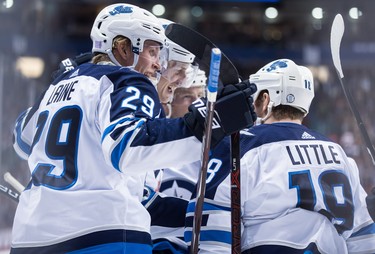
(148, 62)
(174, 76)
(175, 73)
(182, 99)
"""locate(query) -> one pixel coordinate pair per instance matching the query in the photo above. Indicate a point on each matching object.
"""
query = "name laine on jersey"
(62, 92)
(312, 154)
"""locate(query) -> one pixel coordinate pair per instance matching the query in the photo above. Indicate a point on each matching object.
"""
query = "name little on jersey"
(62, 92)
(308, 154)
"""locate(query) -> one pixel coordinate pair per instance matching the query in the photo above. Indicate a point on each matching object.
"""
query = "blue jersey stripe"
(368, 230)
(207, 207)
(134, 248)
(109, 241)
(21, 144)
(110, 128)
(119, 149)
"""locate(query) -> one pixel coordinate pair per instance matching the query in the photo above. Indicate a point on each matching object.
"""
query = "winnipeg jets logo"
(121, 9)
(177, 188)
(276, 65)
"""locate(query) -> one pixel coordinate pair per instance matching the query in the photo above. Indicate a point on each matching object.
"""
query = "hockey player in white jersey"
(300, 190)
(94, 133)
(181, 183)
(168, 193)
(300, 193)
(179, 62)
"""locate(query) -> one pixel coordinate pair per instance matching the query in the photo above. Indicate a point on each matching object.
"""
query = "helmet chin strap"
(113, 59)
(169, 106)
(260, 120)
(136, 57)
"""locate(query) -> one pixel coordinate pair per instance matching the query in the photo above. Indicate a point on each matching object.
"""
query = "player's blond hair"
(101, 57)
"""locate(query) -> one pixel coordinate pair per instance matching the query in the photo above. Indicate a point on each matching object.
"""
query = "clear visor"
(163, 59)
(152, 50)
(179, 74)
(156, 54)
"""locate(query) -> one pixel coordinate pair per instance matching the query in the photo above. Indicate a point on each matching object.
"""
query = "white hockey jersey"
(89, 141)
(298, 190)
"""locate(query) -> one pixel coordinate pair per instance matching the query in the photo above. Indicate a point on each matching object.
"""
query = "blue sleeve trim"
(108, 241)
(208, 207)
(368, 230)
(18, 128)
(119, 149)
(110, 128)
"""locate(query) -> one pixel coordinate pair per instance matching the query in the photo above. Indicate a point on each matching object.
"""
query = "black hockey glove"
(234, 111)
(370, 201)
(70, 63)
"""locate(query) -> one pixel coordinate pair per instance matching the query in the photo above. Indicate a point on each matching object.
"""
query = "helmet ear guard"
(287, 84)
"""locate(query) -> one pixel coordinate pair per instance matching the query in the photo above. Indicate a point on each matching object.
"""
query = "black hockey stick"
(201, 47)
(337, 31)
(11, 187)
(213, 79)
(70, 63)
(9, 192)
(235, 194)
(14, 182)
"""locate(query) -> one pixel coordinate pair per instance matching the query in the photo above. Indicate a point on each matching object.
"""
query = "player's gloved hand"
(247, 89)
(370, 201)
(70, 63)
(234, 111)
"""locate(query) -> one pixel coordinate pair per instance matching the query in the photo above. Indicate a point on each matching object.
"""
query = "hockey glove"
(70, 63)
(370, 201)
(234, 111)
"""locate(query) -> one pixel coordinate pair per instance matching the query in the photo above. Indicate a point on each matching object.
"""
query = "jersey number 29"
(60, 145)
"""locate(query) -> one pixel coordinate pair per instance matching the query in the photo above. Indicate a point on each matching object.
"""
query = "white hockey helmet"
(287, 84)
(176, 52)
(131, 21)
(200, 79)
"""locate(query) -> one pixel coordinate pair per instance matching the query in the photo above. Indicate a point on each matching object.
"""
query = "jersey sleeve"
(22, 141)
(362, 240)
(24, 130)
(134, 137)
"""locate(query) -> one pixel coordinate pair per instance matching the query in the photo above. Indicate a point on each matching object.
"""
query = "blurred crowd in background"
(54, 30)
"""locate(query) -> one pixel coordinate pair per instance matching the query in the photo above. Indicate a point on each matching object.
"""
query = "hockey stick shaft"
(235, 194)
(11, 188)
(9, 192)
(337, 32)
(13, 182)
(201, 187)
